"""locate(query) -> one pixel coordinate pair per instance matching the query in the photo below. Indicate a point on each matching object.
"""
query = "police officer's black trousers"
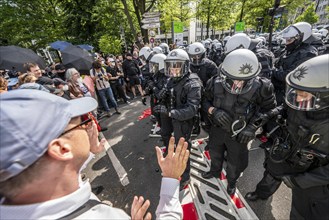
(237, 154)
(206, 123)
(267, 186)
(180, 129)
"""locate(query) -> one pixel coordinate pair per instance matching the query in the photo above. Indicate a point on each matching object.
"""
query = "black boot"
(231, 189)
(253, 196)
(207, 175)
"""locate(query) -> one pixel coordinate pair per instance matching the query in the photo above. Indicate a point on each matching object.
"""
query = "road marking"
(122, 174)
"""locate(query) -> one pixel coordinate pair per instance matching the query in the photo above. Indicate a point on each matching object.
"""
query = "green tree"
(31, 24)
(215, 17)
(174, 10)
(110, 44)
(308, 15)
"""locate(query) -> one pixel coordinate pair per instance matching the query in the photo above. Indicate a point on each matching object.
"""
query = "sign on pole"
(178, 27)
(150, 20)
(151, 25)
(239, 26)
(151, 14)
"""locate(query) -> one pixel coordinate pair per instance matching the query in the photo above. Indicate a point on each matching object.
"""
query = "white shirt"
(169, 206)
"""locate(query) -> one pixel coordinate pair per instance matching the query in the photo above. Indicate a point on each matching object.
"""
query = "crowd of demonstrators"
(65, 139)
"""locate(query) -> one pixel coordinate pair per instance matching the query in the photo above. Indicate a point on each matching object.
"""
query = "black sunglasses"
(85, 120)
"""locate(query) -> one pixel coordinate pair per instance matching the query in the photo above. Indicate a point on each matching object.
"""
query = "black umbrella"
(14, 57)
(78, 58)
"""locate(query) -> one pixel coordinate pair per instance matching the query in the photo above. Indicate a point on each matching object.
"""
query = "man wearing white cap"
(40, 162)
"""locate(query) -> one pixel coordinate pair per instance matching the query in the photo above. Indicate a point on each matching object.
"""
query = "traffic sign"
(239, 26)
(151, 20)
(178, 27)
(151, 14)
(151, 25)
(151, 40)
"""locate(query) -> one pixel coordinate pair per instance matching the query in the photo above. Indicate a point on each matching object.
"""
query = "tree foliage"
(109, 44)
(36, 23)
(308, 15)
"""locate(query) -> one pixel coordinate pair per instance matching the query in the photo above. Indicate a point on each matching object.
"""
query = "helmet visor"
(236, 86)
(301, 100)
(142, 57)
(174, 69)
(154, 67)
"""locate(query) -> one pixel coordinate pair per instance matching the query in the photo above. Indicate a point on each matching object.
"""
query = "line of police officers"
(287, 97)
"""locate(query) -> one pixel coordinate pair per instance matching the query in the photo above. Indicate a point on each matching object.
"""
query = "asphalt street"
(129, 166)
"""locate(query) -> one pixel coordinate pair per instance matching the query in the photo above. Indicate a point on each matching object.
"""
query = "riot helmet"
(145, 54)
(296, 34)
(218, 47)
(177, 64)
(207, 44)
(226, 39)
(215, 41)
(238, 71)
(157, 50)
(196, 52)
(323, 32)
(237, 41)
(157, 63)
(262, 42)
(307, 86)
(165, 48)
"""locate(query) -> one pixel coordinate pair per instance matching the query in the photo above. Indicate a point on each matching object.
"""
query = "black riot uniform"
(180, 103)
(157, 88)
(183, 101)
(235, 116)
(205, 69)
(299, 155)
(286, 63)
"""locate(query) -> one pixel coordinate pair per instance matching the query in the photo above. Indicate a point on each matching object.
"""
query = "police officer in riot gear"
(297, 52)
(145, 54)
(216, 53)
(300, 156)
(156, 84)
(180, 102)
(165, 48)
(207, 45)
(205, 69)
(235, 101)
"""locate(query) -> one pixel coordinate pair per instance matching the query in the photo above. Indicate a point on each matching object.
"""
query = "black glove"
(160, 109)
(247, 134)
(163, 93)
(222, 119)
